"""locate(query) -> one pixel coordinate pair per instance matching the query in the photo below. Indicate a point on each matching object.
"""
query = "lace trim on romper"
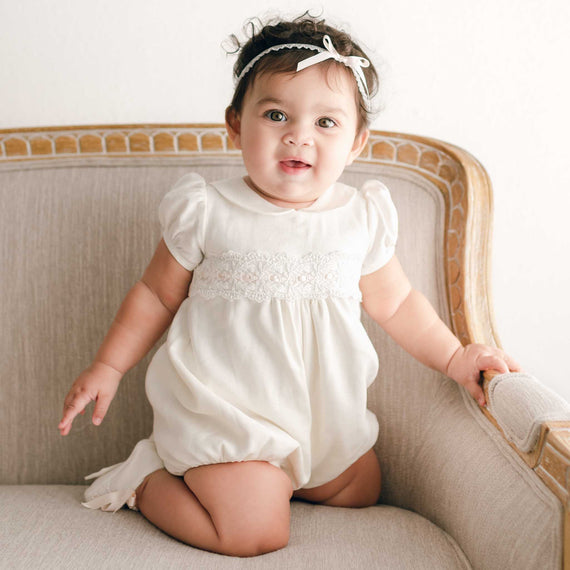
(262, 276)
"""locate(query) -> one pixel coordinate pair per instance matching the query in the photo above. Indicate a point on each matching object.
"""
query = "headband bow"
(353, 62)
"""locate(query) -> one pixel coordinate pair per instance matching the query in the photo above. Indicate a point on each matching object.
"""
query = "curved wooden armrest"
(550, 458)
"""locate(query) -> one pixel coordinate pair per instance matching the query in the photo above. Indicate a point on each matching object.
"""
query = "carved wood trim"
(566, 538)
(113, 141)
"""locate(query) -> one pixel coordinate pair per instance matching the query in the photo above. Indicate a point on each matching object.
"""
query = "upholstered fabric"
(75, 235)
(49, 529)
(521, 404)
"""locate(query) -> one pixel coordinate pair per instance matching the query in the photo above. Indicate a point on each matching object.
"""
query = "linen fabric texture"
(266, 359)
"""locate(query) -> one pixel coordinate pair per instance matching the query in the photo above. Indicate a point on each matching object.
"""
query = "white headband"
(353, 62)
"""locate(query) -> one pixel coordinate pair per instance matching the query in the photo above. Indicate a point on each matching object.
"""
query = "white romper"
(266, 359)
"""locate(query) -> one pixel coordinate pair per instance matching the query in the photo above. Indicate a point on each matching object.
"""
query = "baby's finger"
(65, 430)
(101, 407)
(64, 425)
(493, 362)
(476, 392)
(73, 405)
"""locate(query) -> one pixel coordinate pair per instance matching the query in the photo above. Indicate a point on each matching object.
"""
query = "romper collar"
(238, 192)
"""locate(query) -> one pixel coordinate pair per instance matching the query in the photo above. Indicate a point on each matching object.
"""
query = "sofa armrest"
(535, 421)
(521, 406)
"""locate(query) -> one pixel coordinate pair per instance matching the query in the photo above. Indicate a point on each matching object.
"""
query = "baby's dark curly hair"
(305, 29)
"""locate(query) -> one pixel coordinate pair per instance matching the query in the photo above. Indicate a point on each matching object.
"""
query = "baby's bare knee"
(261, 530)
(273, 539)
(258, 540)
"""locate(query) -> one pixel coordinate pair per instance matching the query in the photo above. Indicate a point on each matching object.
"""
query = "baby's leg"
(239, 509)
(358, 486)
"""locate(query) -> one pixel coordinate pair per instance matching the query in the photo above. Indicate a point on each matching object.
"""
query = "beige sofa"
(462, 487)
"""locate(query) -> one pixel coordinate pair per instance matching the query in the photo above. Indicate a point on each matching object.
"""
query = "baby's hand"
(99, 382)
(468, 361)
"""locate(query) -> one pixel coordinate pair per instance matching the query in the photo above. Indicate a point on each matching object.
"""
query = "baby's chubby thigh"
(357, 486)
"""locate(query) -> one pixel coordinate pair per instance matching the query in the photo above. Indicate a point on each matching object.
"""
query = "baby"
(259, 393)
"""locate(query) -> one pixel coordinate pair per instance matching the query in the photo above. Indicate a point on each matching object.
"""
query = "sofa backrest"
(79, 223)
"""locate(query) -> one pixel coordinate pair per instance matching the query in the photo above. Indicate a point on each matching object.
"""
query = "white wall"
(490, 76)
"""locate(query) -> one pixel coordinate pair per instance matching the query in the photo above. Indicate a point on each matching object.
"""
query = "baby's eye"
(326, 123)
(277, 116)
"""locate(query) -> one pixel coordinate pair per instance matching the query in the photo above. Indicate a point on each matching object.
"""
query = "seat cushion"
(46, 527)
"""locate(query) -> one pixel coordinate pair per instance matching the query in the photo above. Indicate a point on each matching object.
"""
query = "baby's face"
(297, 132)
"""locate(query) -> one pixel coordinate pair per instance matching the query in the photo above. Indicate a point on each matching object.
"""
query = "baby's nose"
(298, 136)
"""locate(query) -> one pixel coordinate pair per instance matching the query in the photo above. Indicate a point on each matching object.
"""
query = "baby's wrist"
(456, 352)
(107, 369)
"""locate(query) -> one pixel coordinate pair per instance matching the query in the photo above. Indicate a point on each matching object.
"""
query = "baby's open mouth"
(295, 163)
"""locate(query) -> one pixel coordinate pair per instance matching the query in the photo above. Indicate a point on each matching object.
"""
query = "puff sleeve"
(382, 225)
(181, 213)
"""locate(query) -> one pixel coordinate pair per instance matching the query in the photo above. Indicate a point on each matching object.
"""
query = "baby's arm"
(408, 317)
(144, 315)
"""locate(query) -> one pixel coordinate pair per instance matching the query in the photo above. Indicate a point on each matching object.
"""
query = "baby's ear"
(359, 143)
(233, 126)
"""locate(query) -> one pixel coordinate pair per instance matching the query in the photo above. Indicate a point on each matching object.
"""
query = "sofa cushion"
(46, 527)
